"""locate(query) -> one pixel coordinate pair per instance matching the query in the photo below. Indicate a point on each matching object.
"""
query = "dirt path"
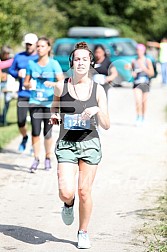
(131, 175)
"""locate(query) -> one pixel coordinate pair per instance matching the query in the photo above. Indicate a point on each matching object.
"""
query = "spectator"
(5, 79)
(162, 57)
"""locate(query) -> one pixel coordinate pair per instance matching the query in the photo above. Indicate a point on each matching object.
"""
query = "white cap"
(30, 38)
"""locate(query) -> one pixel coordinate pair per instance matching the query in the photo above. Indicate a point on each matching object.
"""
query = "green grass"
(160, 231)
(7, 133)
(155, 236)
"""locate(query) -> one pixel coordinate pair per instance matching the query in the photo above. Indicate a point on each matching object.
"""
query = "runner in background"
(142, 71)
(18, 71)
(37, 72)
(107, 72)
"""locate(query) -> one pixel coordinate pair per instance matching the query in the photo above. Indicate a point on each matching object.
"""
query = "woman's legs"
(48, 146)
(36, 129)
(66, 180)
(138, 99)
(47, 132)
(144, 103)
(36, 146)
(86, 177)
(164, 73)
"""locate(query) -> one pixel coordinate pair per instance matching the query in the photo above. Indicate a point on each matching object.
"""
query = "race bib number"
(142, 79)
(99, 78)
(75, 122)
(40, 95)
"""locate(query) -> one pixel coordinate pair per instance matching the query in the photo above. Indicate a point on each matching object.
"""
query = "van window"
(64, 49)
(123, 49)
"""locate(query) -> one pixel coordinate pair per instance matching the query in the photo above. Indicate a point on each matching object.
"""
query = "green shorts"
(71, 152)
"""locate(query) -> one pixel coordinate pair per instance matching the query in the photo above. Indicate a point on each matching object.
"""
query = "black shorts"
(22, 110)
(144, 87)
(38, 115)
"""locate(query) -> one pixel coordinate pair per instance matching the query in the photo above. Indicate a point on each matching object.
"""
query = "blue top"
(40, 94)
(20, 62)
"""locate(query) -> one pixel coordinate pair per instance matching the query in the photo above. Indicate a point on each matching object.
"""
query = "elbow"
(106, 126)
(26, 85)
(151, 74)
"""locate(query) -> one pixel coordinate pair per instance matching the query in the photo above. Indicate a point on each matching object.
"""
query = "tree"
(20, 17)
(139, 19)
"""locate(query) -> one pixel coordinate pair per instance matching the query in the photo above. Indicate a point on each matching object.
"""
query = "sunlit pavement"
(131, 176)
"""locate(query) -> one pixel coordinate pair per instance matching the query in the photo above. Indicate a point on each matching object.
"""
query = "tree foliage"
(139, 19)
(20, 17)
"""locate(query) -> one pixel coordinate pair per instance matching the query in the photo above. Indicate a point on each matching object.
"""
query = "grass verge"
(153, 235)
(159, 243)
(7, 133)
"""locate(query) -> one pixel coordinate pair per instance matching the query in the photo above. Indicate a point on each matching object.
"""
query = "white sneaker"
(67, 215)
(83, 240)
(139, 121)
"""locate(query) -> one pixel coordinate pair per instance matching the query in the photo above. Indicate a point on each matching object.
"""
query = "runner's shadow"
(31, 236)
(7, 166)
(9, 151)
(13, 167)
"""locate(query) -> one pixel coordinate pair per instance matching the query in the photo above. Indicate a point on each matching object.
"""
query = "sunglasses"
(28, 44)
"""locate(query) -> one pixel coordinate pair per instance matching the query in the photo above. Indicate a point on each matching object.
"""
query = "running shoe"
(47, 164)
(67, 214)
(83, 240)
(22, 146)
(139, 120)
(34, 165)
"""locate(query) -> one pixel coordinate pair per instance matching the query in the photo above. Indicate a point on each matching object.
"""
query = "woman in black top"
(82, 103)
(104, 67)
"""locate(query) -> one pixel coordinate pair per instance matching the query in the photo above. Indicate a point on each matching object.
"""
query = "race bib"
(99, 78)
(75, 122)
(142, 79)
(40, 95)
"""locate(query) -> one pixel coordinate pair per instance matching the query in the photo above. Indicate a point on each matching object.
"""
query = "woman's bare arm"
(149, 70)
(153, 44)
(102, 114)
(27, 83)
(112, 74)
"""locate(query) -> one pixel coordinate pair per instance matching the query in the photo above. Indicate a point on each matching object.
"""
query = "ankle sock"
(66, 205)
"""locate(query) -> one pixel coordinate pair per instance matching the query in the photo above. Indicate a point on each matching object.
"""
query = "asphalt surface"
(130, 178)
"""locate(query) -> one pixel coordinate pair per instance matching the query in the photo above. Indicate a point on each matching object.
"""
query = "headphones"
(92, 58)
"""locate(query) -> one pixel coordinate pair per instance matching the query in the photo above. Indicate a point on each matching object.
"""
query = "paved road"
(131, 176)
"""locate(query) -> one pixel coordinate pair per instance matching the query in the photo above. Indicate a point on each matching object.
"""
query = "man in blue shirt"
(18, 71)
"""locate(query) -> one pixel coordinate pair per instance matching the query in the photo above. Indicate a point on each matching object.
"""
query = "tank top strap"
(94, 91)
(65, 88)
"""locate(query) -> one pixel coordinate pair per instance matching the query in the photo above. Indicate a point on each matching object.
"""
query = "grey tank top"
(73, 128)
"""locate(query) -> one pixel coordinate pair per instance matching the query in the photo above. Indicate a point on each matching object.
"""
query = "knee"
(21, 124)
(83, 194)
(48, 136)
(66, 195)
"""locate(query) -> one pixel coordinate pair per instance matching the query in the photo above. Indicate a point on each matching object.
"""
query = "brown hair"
(47, 42)
(81, 45)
